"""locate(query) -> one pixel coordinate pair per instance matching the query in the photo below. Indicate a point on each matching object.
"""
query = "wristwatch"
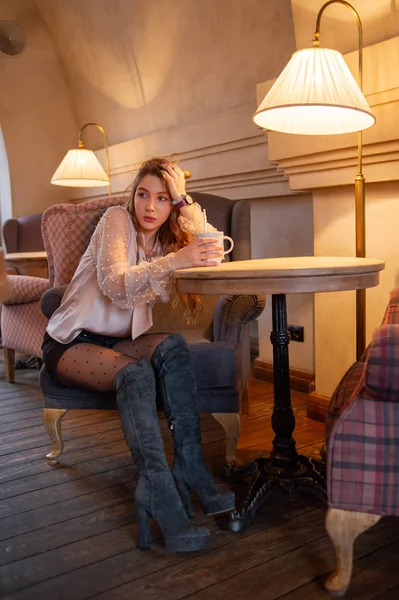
(182, 200)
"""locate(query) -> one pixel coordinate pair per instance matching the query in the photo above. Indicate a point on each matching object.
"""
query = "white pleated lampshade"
(316, 94)
(80, 168)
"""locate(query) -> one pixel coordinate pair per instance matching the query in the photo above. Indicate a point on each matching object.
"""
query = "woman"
(97, 340)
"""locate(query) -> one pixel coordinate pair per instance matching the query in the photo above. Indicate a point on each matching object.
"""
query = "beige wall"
(138, 68)
(35, 112)
(284, 227)
(335, 313)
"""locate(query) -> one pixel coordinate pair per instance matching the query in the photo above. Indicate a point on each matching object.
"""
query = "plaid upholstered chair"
(218, 341)
(362, 432)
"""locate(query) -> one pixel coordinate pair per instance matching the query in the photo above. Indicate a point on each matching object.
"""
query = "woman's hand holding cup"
(203, 251)
(219, 237)
(206, 250)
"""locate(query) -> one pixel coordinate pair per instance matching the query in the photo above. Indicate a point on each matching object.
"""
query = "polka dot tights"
(93, 367)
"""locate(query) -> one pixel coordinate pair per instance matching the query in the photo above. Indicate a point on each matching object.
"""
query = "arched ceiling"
(138, 66)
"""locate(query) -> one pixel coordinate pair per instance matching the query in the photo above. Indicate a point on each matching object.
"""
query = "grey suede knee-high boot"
(174, 370)
(156, 492)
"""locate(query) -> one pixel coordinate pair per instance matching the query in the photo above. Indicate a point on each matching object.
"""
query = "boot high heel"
(180, 534)
(214, 498)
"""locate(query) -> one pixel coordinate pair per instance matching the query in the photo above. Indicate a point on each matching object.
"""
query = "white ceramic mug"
(220, 237)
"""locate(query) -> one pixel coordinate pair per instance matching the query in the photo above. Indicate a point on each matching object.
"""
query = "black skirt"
(53, 350)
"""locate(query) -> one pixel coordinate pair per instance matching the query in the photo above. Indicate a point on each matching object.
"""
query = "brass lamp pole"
(360, 183)
(81, 145)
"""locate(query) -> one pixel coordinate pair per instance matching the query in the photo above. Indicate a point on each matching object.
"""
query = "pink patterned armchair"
(66, 231)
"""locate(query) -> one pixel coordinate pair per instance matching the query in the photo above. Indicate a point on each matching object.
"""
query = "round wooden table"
(297, 274)
(17, 260)
(278, 277)
(5, 288)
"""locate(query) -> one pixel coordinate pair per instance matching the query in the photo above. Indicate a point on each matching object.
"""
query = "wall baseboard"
(317, 406)
(302, 381)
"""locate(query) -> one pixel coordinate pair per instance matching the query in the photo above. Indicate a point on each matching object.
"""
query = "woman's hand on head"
(198, 254)
(174, 178)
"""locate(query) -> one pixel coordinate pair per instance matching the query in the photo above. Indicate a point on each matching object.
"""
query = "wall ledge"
(227, 154)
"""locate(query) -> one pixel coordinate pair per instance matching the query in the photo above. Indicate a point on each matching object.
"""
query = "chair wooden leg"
(52, 418)
(231, 424)
(343, 527)
(245, 401)
(9, 359)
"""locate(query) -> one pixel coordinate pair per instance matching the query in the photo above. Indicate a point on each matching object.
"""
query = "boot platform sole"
(186, 544)
(217, 507)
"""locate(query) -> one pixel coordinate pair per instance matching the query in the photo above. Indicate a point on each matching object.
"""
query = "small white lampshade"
(80, 168)
(316, 94)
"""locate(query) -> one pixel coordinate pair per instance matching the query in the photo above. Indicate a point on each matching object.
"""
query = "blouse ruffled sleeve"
(128, 285)
(196, 223)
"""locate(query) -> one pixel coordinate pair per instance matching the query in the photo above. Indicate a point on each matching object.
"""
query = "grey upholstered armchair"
(23, 234)
(219, 340)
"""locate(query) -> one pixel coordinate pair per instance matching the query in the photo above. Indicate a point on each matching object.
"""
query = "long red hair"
(170, 236)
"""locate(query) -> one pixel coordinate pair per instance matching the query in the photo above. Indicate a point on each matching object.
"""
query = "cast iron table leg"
(285, 470)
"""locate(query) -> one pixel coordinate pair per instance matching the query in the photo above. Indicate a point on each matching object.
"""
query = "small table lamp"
(81, 168)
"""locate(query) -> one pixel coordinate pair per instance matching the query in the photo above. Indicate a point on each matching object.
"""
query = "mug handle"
(226, 237)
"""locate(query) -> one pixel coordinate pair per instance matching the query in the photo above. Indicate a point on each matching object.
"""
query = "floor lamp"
(316, 94)
(81, 168)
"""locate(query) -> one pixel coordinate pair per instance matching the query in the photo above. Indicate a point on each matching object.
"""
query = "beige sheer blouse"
(114, 287)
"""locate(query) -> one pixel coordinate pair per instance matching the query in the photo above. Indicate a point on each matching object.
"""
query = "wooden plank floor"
(69, 532)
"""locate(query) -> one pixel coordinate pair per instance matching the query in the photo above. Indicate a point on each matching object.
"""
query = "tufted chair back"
(67, 229)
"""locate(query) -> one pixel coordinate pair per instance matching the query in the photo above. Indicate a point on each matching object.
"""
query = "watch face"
(188, 199)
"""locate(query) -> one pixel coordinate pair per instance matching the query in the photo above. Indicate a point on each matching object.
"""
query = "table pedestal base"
(285, 470)
(275, 478)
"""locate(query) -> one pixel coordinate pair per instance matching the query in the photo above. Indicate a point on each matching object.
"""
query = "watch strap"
(181, 201)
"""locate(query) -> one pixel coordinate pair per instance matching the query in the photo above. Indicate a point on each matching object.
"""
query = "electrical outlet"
(296, 333)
